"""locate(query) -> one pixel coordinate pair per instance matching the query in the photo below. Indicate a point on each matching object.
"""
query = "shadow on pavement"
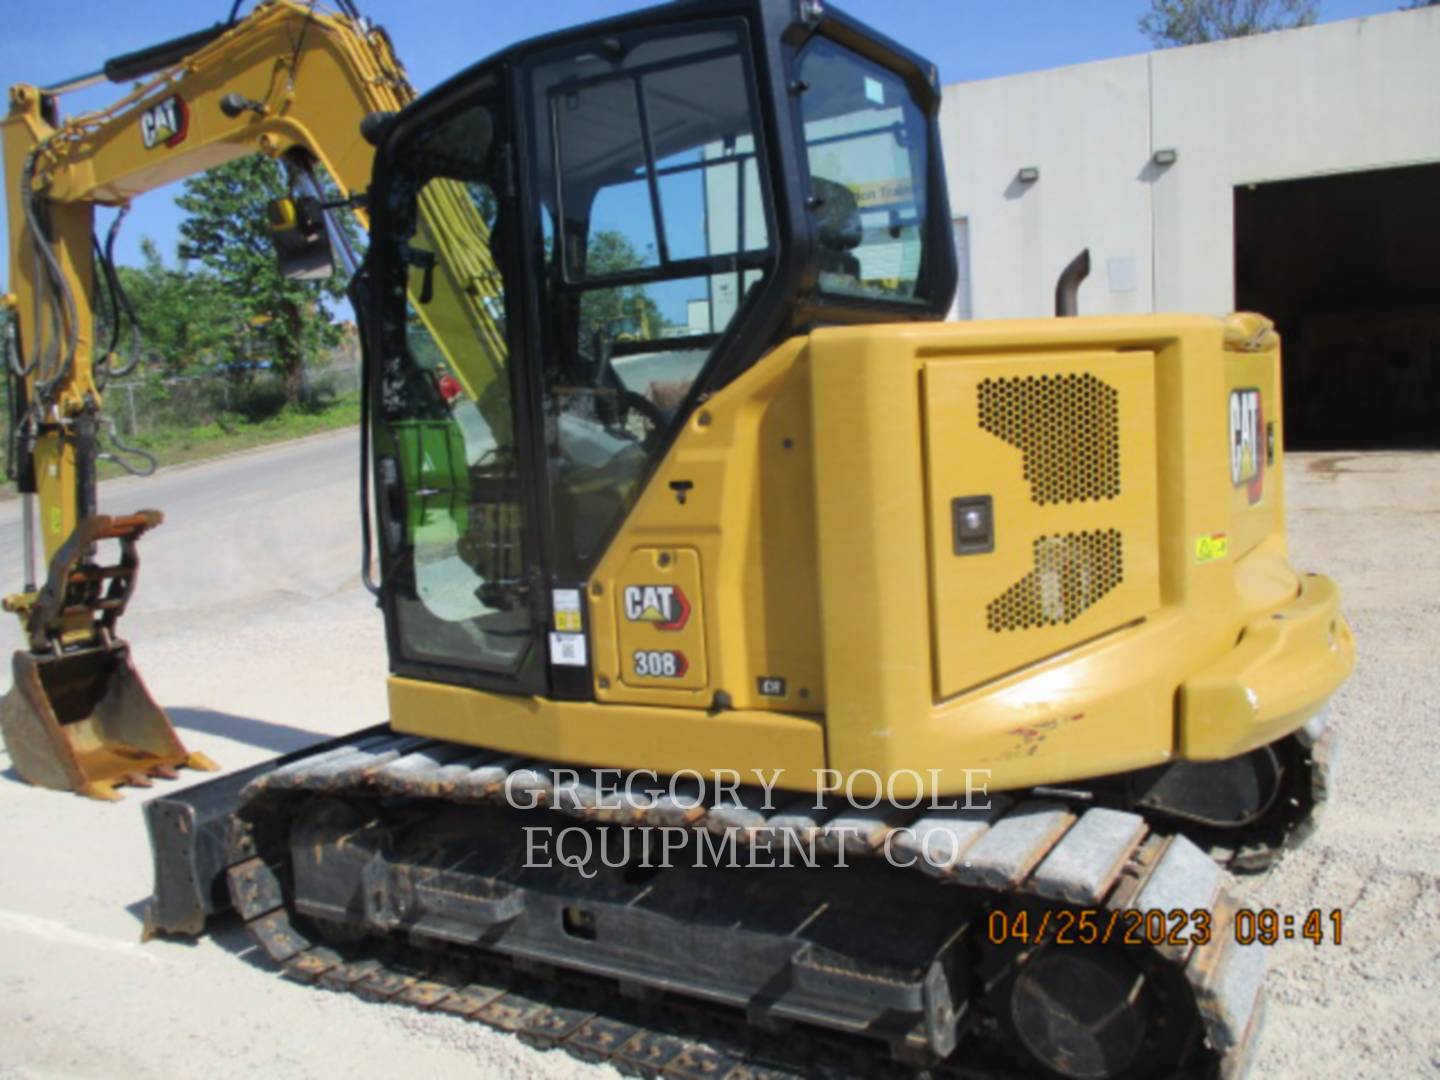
(225, 930)
(280, 738)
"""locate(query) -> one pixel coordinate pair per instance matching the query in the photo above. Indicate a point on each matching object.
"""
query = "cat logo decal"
(663, 605)
(166, 123)
(1247, 445)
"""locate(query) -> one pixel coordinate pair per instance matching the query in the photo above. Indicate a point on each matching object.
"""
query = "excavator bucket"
(85, 722)
(79, 717)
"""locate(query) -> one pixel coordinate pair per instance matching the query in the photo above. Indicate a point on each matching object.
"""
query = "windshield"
(655, 220)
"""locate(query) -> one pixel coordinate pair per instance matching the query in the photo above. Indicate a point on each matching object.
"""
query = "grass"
(179, 444)
(230, 432)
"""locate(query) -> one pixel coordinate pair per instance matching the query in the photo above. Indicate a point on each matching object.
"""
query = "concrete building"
(1294, 173)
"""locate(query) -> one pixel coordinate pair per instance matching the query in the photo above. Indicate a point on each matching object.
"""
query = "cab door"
(458, 552)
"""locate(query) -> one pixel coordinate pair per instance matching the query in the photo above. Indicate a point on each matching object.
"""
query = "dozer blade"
(193, 833)
(85, 722)
(79, 717)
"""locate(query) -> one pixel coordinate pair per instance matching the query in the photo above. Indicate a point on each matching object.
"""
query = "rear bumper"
(1281, 672)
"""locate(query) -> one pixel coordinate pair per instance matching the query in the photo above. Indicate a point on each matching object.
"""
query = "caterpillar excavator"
(783, 681)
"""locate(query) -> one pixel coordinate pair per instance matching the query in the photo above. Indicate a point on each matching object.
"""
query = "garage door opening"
(1348, 266)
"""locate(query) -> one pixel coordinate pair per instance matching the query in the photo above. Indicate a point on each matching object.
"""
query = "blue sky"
(44, 43)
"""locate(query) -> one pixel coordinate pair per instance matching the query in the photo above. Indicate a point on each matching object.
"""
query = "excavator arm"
(292, 82)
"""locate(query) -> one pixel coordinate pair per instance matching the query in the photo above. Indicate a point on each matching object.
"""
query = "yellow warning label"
(1212, 547)
(884, 192)
(567, 620)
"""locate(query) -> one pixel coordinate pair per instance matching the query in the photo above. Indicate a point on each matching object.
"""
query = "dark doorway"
(1348, 266)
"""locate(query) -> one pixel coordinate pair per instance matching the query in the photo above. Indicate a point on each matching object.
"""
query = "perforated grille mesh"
(1071, 573)
(1068, 428)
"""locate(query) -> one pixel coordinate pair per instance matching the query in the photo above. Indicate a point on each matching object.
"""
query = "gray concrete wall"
(1344, 96)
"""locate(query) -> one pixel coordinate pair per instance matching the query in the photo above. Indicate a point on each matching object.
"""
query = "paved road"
(280, 518)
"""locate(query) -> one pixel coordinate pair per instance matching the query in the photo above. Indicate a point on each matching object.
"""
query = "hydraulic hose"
(63, 313)
(118, 300)
(147, 462)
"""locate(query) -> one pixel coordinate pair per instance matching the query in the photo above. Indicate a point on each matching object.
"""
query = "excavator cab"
(574, 245)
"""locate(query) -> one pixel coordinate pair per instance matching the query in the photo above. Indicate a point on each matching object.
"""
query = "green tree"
(1193, 22)
(185, 318)
(227, 233)
(623, 311)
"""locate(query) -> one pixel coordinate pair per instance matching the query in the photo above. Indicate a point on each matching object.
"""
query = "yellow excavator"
(792, 682)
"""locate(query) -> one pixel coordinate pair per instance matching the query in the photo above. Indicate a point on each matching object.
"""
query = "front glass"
(655, 223)
(865, 139)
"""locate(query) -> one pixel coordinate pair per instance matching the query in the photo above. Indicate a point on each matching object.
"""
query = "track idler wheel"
(1091, 1012)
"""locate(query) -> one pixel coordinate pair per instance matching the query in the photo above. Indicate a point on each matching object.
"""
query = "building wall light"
(1166, 157)
(1028, 174)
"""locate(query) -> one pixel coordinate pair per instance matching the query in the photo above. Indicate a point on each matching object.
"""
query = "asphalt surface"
(252, 629)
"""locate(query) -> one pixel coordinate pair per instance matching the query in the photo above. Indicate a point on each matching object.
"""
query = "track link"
(1036, 855)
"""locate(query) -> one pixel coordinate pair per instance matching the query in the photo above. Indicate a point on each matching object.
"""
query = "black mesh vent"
(1071, 573)
(1067, 426)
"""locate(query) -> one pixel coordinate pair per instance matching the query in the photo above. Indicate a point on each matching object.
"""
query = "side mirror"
(302, 244)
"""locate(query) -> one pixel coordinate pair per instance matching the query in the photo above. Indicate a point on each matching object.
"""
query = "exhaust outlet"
(1067, 289)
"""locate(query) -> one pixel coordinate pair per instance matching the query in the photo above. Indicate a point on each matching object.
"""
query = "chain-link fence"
(142, 406)
(153, 406)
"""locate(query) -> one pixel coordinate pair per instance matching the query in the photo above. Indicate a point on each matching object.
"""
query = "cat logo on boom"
(663, 605)
(166, 123)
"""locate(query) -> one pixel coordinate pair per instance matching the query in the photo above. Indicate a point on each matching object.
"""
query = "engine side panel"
(1040, 475)
(1062, 705)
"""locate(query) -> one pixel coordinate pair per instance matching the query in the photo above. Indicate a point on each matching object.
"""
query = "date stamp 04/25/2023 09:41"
(1251, 926)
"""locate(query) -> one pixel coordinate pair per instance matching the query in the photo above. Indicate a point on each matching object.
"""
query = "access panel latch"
(974, 524)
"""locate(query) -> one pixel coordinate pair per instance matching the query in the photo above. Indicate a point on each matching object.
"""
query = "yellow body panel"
(748, 514)
(750, 745)
(1103, 705)
(816, 502)
(1258, 686)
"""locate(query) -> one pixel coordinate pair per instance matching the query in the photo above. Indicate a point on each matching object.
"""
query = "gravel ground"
(269, 641)
(1371, 1006)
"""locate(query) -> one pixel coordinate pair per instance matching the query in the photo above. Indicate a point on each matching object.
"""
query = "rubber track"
(687, 1039)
